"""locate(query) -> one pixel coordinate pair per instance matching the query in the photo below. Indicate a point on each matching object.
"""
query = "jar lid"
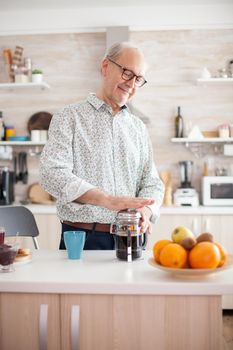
(128, 214)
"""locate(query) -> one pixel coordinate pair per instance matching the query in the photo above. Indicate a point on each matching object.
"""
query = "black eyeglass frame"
(133, 74)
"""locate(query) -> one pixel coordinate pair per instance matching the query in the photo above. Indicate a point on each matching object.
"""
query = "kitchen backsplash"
(70, 63)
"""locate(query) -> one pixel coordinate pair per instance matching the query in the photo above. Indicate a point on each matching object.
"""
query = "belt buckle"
(112, 229)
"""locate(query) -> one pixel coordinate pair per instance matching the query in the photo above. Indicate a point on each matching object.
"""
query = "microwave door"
(221, 191)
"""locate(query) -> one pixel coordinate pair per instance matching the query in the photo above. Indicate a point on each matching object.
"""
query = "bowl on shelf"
(19, 138)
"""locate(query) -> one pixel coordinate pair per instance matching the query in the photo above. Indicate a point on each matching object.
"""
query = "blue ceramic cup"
(74, 242)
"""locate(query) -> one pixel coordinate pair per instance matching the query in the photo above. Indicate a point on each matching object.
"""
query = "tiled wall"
(71, 66)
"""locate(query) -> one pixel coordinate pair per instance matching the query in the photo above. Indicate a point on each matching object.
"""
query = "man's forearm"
(94, 197)
(97, 197)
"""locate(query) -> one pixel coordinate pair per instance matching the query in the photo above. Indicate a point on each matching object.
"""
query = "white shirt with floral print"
(89, 147)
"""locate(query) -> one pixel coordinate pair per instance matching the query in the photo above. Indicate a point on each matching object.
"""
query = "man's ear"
(104, 67)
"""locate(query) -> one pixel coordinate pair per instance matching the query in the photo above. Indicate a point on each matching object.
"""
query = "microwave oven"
(217, 190)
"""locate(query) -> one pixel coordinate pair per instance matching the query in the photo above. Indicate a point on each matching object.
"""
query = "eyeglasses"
(127, 75)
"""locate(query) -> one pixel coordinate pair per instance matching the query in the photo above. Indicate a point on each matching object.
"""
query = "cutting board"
(36, 194)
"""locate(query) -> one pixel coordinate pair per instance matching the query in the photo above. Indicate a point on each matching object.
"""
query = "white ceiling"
(16, 5)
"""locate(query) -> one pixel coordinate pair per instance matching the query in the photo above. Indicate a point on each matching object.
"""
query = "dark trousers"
(95, 240)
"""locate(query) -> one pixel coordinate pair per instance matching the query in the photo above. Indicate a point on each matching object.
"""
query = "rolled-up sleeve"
(56, 162)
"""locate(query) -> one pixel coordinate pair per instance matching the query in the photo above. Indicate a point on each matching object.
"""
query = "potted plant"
(37, 76)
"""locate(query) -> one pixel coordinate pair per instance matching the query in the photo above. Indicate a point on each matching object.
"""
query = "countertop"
(100, 272)
(200, 210)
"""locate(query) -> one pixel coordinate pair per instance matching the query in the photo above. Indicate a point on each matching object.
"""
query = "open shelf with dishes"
(204, 140)
(21, 143)
(18, 86)
(201, 147)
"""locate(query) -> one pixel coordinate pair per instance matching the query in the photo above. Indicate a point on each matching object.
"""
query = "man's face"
(117, 90)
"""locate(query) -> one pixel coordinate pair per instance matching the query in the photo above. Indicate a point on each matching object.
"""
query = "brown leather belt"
(87, 226)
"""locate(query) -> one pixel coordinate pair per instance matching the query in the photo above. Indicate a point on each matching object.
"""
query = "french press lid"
(128, 215)
(127, 219)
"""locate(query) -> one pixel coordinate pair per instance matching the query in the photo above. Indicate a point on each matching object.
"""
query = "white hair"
(116, 49)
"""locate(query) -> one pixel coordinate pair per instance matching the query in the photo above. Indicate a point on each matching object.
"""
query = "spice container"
(223, 130)
(9, 132)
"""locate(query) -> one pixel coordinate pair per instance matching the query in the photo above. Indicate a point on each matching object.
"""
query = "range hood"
(119, 34)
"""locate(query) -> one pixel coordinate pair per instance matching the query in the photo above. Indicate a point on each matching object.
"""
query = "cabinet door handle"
(194, 226)
(43, 327)
(206, 225)
(75, 319)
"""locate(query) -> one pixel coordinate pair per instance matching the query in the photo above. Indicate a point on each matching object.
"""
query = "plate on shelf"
(193, 272)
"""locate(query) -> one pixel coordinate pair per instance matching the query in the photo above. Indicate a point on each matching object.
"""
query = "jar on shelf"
(21, 75)
(224, 131)
(9, 132)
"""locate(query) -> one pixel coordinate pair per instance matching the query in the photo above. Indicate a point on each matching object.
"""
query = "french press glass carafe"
(129, 240)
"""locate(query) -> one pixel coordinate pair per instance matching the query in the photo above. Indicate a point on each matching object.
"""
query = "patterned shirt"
(89, 147)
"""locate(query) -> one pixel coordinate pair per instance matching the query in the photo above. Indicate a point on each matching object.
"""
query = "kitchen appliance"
(128, 238)
(217, 190)
(186, 195)
(7, 180)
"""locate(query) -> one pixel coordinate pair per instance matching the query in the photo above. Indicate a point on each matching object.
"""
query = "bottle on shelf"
(2, 127)
(179, 124)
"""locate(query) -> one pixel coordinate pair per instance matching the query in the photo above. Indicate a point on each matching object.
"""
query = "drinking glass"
(7, 257)
(74, 242)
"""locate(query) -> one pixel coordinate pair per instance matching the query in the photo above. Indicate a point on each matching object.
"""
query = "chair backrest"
(18, 220)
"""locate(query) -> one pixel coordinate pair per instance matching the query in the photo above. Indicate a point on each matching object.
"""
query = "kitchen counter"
(112, 296)
(100, 272)
(200, 210)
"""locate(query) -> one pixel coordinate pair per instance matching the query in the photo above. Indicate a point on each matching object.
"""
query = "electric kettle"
(129, 240)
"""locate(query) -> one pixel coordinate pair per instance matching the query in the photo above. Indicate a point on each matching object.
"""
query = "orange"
(173, 255)
(223, 253)
(204, 255)
(158, 246)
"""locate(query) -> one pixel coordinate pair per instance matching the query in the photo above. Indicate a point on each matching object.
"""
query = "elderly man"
(98, 159)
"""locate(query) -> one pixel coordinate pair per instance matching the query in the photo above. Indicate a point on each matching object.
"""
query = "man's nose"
(131, 82)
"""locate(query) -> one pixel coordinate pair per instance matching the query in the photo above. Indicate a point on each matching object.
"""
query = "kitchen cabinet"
(166, 224)
(130, 322)
(93, 322)
(87, 322)
(50, 231)
(218, 225)
(29, 321)
(102, 303)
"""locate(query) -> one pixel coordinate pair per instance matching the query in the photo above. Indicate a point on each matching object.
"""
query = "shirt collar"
(97, 103)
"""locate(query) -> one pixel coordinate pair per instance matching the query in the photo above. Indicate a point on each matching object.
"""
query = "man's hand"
(116, 203)
(145, 220)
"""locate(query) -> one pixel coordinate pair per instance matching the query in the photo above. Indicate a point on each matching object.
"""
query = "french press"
(128, 238)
